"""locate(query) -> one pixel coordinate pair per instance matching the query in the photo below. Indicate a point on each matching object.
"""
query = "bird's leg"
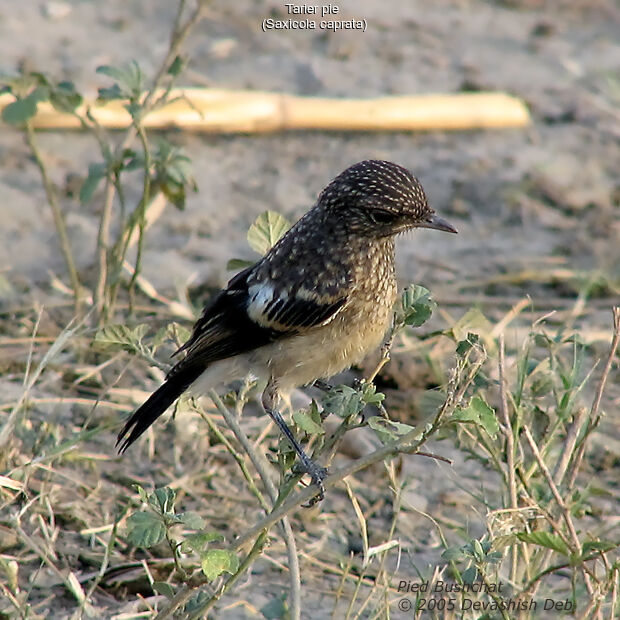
(317, 474)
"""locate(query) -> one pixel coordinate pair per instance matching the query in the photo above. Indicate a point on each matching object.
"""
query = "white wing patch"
(261, 296)
(283, 311)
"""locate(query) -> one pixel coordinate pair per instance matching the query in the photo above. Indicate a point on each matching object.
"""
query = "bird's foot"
(323, 385)
(317, 475)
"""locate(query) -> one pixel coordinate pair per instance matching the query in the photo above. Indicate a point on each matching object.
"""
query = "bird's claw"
(316, 498)
(323, 385)
(317, 475)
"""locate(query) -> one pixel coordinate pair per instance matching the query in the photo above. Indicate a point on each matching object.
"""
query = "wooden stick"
(226, 111)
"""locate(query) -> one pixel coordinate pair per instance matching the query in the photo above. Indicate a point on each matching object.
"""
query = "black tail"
(157, 403)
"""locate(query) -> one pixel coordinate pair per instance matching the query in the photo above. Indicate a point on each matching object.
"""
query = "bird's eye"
(381, 217)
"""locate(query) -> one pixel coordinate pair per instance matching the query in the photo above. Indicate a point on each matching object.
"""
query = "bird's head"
(379, 199)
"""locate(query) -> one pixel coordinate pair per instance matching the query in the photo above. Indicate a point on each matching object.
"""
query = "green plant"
(539, 533)
(164, 169)
(150, 527)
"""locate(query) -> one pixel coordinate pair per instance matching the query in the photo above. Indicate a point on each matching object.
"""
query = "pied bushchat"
(314, 305)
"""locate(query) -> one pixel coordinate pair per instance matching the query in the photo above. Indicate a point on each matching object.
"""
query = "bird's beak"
(438, 223)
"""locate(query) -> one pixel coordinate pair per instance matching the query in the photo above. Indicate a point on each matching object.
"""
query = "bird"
(315, 304)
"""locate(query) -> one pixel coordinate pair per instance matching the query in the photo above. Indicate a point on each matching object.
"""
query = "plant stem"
(106, 288)
(103, 245)
(59, 220)
(510, 445)
(410, 442)
(186, 593)
(289, 538)
(141, 210)
(595, 416)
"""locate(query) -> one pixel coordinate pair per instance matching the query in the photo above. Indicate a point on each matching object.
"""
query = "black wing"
(248, 314)
(251, 313)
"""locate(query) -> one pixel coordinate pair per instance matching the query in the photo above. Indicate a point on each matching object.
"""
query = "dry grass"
(66, 496)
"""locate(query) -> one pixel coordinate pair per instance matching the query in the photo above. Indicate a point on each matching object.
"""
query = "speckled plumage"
(367, 288)
(315, 304)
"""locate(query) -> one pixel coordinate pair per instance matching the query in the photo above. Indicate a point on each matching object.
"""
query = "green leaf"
(40, 93)
(542, 340)
(266, 230)
(132, 160)
(20, 111)
(114, 72)
(192, 520)
(598, 545)
(145, 529)
(177, 65)
(343, 401)
(307, 424)
(453, 554)
(129, 79)
(110, 93)
(162, 500)
(468, 414)
(429, 402)
(286, 453)
(478, 551)
(178, 332)
(161, 335)
(64, 97)
(488, 417)
(370, 396)
(171, 161)
(120, 337)
(494, 557)
(469, 576)
(173, 172)
(218, 561)
(541, 386)
(199, 541)
(480, 413)
(134, 109)
(96, 172)
(387, 430)
(196, 602)
(275, 609)
(141, 492)
(416, 305)
(174, 192)
(545, 539)
(161, 587)
(238, 263)
(472, 340)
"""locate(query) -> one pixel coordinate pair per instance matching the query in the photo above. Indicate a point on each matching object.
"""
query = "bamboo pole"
(226, 111)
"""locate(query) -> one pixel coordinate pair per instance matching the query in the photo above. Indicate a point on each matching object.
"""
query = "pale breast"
(356, 330)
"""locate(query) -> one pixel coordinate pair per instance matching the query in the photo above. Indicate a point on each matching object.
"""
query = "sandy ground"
(507, 191)
(536, 209)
